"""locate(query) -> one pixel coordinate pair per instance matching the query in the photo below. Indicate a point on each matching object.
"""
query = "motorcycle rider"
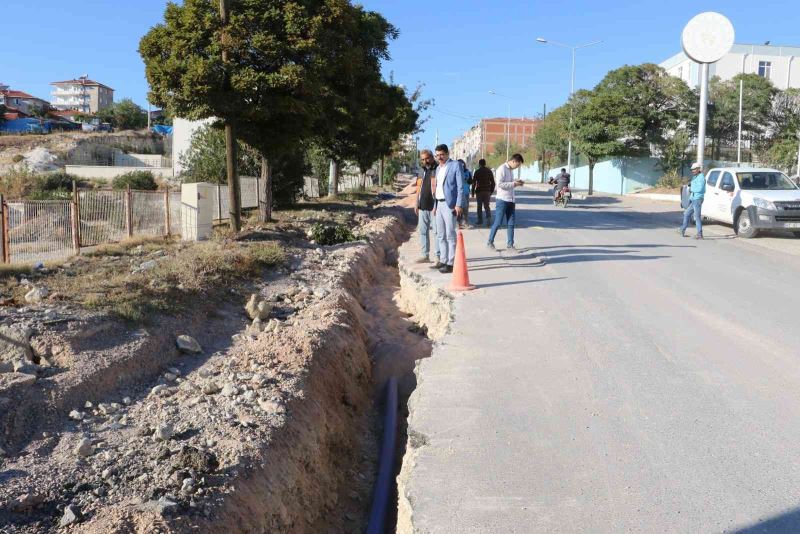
(561, 180)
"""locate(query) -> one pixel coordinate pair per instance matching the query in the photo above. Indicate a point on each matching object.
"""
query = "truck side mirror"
(727, 187)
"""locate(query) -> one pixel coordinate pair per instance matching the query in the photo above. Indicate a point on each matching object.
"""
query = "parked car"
(752, 200)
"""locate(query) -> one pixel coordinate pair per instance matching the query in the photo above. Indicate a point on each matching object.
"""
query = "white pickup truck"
(751, 200)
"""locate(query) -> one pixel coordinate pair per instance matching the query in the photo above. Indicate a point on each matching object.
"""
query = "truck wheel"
(744, 226)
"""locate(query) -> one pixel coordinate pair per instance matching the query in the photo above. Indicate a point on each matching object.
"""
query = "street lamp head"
(492, 93)
(541, 39)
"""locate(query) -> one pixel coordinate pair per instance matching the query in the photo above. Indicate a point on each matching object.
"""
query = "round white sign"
(707, 37)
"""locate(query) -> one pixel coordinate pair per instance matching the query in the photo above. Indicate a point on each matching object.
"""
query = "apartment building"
(480, 140)
(780, 64)
(82, 94)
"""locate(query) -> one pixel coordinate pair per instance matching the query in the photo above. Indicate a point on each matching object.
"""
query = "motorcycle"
(563, 197)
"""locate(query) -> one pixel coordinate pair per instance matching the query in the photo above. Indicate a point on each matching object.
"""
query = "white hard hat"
(696, 166)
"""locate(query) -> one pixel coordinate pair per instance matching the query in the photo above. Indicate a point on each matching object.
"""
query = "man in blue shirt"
(697, 190)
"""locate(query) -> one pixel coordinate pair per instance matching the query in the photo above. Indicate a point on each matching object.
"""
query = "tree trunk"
(363, 180)
(591, 176)
(333, 180)
(380, 172)
(265, 196)
(234, 196)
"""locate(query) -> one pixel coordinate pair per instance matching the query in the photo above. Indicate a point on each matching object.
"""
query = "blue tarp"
(162, 130)
(26, 126)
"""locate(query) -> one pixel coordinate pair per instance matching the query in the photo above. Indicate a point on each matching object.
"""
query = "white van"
(752, 200)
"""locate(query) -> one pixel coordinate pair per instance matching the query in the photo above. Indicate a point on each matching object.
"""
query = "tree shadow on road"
(519, 282)
(788, 522)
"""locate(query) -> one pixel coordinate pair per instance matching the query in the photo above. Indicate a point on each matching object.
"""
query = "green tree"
(596, 129)
(124, 115)
(723, 116)
(646, 104)
(204, 161)
(282, 55)
(3, 110)
(673, 155)
(354, 72)
(551, 138)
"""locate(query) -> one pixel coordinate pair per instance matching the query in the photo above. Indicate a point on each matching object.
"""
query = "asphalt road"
(614, 377)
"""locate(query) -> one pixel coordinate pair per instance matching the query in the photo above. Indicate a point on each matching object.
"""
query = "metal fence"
(41, 230)
(220, 199)
(38, 230)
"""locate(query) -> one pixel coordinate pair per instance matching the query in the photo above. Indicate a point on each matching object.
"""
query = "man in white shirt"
(505, 201)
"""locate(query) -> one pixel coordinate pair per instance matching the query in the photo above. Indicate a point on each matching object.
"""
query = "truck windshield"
(765, 181)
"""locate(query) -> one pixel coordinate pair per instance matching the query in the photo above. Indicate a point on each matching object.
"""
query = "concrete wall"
(103, 172)
(616, 176)
(137, 160)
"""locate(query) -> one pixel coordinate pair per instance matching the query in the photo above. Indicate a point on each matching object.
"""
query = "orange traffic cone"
(460, 274)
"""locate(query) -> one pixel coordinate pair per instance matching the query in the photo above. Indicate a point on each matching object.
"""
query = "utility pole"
(230, 139)
(739, 143)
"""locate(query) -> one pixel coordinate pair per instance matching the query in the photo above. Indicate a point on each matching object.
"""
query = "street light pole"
(701, 130)
(508, 132)
(508, 122)
(571, 89)
(739, 142)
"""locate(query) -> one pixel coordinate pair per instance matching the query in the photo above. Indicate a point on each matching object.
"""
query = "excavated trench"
(305, 462)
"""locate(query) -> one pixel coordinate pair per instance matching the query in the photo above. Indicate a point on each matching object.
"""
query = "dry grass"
(123, 248)
(104, 280)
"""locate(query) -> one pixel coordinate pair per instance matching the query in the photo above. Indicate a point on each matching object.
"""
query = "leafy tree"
(124, 115)
(673, 155)
(3, 110)
(386, 115)
(204, 161)
(551, 139)
(596, 129)
(646, 103)
(723, 116)
(340, 130)
(282, 56)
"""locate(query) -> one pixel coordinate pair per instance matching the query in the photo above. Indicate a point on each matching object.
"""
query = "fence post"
(166, 213)
(128, 211)
(219, 202)
(76, 239)
(258, 193)
(4, 229)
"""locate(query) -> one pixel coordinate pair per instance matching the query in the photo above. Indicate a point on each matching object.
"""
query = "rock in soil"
(188, 344)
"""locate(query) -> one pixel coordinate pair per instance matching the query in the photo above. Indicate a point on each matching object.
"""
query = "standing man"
(697, 191)
(505, 202)
(424, 206)
(463, 219)
(482, 189)
(449, 196)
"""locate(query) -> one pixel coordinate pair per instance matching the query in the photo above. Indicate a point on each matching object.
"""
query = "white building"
(83, 94)
(468, 146)
(781, 64)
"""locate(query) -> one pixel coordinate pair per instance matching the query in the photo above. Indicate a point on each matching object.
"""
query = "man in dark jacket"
(482, 189)
(424, 206)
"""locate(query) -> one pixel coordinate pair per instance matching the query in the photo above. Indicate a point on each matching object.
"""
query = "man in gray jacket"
(561, 180)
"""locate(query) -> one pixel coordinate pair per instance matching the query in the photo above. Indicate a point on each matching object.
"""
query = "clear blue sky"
(460, 49)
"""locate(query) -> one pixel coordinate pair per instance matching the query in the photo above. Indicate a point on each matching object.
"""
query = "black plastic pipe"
(383, 485)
